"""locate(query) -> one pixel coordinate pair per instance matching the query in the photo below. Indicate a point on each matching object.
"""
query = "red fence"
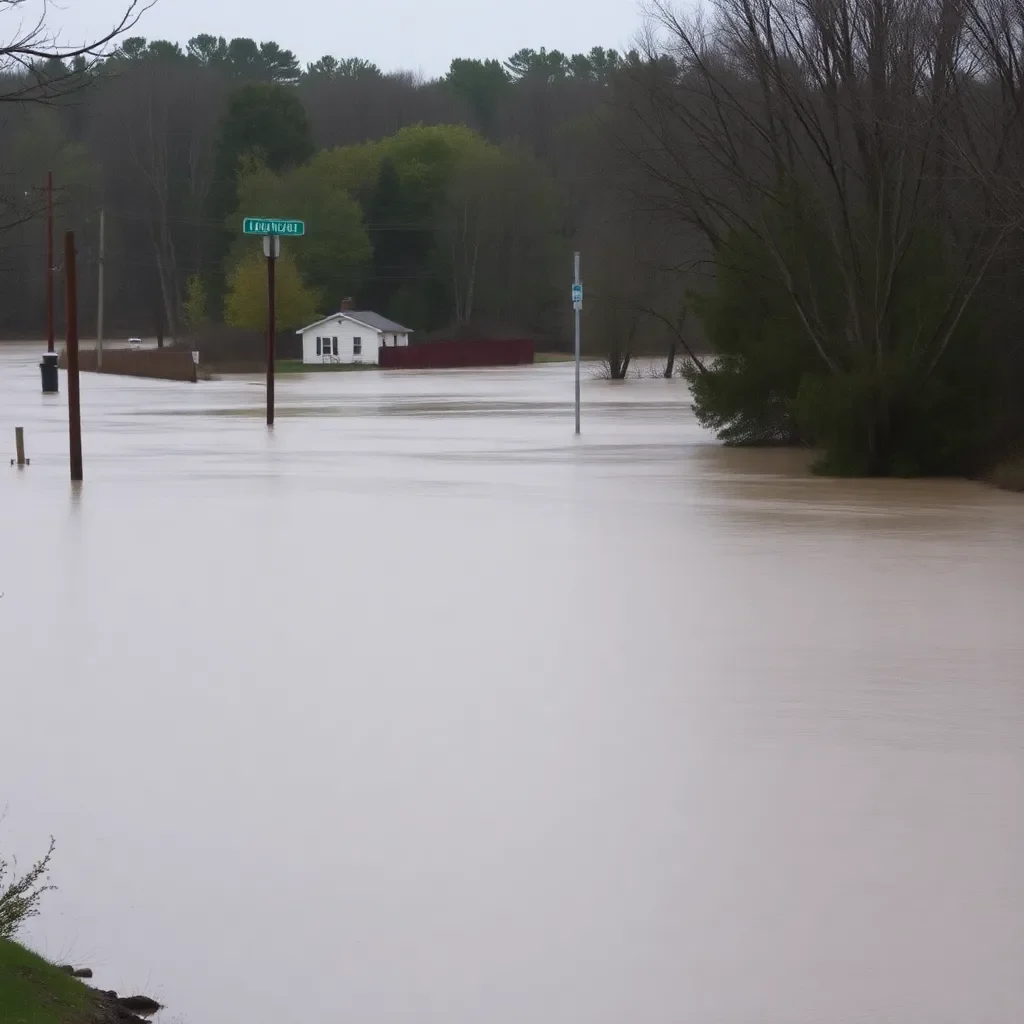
(439, 355)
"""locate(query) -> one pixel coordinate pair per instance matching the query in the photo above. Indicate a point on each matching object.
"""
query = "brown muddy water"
(419, 710)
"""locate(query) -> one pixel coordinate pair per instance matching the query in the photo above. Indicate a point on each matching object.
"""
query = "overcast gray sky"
(411, 34)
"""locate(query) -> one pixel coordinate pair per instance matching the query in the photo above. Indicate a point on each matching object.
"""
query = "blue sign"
(577, 295)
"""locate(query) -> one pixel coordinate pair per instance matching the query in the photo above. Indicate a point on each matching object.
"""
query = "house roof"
(374, 321)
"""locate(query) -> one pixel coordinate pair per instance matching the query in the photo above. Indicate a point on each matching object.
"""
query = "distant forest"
(828, 196)
(433, 201)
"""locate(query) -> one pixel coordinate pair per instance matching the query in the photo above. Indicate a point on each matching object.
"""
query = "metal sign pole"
(577, 294)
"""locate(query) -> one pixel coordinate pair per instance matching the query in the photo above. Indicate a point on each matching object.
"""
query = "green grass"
(33, 991)
(298, 366)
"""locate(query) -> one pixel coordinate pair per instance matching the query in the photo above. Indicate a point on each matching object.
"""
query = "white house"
(350, 336)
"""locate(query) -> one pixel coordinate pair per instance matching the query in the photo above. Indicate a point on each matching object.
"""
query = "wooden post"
(99, 296)
(74, 403)
(272, 313)
(49, 261)
(19, 444)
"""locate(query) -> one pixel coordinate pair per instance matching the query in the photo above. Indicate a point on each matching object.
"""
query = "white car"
(135, 343)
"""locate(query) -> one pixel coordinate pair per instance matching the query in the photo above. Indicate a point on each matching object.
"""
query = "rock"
(139, 1004)
(66, 968)
(82, 972)
(111, 994)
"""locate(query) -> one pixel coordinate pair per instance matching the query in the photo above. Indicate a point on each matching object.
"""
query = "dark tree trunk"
(670, 363)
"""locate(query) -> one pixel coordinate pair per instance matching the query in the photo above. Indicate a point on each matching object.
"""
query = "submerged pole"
(74, 403)
(271, 247)
(576, 316)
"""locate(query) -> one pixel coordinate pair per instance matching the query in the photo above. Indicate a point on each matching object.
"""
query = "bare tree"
(36, 66)
(844, 137)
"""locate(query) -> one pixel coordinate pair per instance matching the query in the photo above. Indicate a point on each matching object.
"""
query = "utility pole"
(577, 305)
(49, 261)
(48, 367)
(74, 402)
(99, 298)
(271, 249)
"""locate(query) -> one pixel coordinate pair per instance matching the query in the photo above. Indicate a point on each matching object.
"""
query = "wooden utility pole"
(271, 248)
(99, 297)
(49, 261)
(74, 403)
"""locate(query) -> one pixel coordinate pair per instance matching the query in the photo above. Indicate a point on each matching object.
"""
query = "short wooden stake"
(19, 445)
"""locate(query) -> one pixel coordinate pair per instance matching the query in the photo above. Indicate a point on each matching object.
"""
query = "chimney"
(346, 304)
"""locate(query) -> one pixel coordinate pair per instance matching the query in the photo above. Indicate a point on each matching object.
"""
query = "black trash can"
(48, 368)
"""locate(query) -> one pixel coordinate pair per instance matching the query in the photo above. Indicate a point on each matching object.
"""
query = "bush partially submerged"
(887, 410)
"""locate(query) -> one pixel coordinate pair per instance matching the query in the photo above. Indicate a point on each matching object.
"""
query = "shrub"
(19, 897)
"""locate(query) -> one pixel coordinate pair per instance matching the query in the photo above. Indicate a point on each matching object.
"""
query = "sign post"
(271, 249)
(271, 229)
(577, 305)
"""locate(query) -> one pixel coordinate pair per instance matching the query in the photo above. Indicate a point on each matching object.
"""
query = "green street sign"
(266, 226)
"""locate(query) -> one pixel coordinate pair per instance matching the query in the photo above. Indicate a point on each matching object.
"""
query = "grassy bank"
(33, 991)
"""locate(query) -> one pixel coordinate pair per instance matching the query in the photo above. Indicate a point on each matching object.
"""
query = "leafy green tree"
(195, 304)
(497, 238)
(265, 122)
(537, 65)
(278, 65)
(207, 50)
(244, 58)
(335, 251)
(768, 383)
(746, 393)
(324, 69)
(329, 68)
(402, 182)
(482, 83)
(595, 66)
(246, 304)
(161, 49)
(132, 48)
(429, 187)
(399, 243)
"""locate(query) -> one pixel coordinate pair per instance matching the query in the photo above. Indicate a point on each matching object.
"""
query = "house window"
(357, 346)
(318, 346)
(335, 345)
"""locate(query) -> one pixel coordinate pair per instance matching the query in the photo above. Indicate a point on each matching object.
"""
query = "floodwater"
(418, 710)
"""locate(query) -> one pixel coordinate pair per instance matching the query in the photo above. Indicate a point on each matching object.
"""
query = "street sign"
(271, 246)
(577, 296)
(269, 226)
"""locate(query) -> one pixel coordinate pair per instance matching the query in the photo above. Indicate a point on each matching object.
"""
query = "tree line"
(825, 196)
(437, 201)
